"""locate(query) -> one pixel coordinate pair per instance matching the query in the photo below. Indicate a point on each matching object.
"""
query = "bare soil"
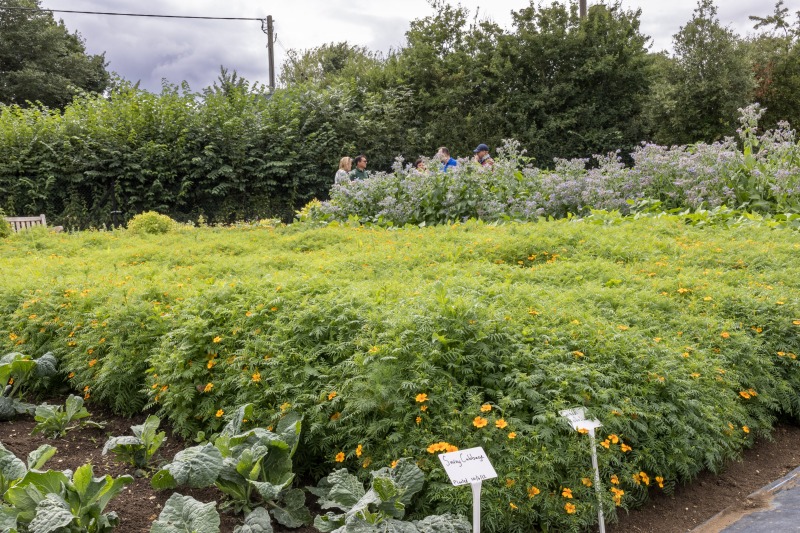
(690, 506)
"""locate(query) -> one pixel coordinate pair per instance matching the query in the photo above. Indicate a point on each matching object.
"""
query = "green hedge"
(681, 340)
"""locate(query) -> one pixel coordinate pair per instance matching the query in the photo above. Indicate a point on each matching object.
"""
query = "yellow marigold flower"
(613, 438)
(479, 422)
(220, 412)
(707, 298)
(90, 351)
(614, 479)
(694, 375)
(208, 387)
(583, 431)
(249, 313)
(683, 290)
(336, 416)
(331, 395)
(605, 444)
(394, 463)
(419, 419)
(752, 392)
(533, 491)
(645, 479)
(451, 448)
(623, 327)
(421, 398)
(217, 339)
(660, 481)
(725, 335)
(359, 450)
(746, 429)
(12, 336)
(423, 408)
(744, 394)
(586, 481)
(513, 507)
(367, 462)
(575, 322)
(501, 423)
(637, 479)
(374, 349)
(618, 493)
(512, 435)
(285, 406)
(211, 364)
(566, 493)
(92, 363)
(485, 408)
(569, 508)
(685, 355)
(532, 311)
(340, 457)
(625, 448)
(796, 322)
(577, 353)
(779, 303)
(256, 377)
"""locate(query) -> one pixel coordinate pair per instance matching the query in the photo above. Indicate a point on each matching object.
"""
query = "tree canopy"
(41, 61)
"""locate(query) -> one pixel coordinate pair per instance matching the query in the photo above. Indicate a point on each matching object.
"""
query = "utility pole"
(583, 9)
(267, 27)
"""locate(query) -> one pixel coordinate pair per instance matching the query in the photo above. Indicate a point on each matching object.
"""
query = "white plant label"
(467, 466)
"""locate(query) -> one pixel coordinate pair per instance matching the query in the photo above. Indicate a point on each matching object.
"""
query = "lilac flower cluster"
(749, 172)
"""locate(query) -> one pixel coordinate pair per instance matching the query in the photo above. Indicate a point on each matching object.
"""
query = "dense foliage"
(40, 61)
(404, 342)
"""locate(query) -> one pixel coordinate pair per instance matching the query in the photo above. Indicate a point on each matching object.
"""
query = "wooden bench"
(21, 223)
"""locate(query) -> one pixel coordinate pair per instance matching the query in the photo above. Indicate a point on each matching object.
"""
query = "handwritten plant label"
(467, 466)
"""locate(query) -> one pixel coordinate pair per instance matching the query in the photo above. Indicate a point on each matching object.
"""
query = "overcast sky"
(152, 49)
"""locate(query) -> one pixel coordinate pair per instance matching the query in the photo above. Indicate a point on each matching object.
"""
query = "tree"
(574, 87)
(703, 87)
(775, 54)
(327, 63)
(40, 61)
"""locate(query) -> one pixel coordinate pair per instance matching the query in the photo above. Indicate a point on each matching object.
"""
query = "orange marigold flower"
(583, 431)
(211, 364)
(394, 463)
(660, 481)
(71, 375)
(90, 351)
(614, 479)
(421, 398)
(336, 415)
(217, 339)
(340, 457)
(566, 493)
(510, 482)
(569, 508)
(208, 387)
(479, 422)
(725, 335)
(513, 507)
(331, 395)
(92, 362)
(625, 448)
(359, 450)
(744, 394)
(586, 481)
(605, 444)
(512, 435)
(796, 322)
(746, 429)
(423, 408)
(613, 438)
(256, 377)
(501, 423)
(577, 353)
(645, 479)
(220, 412)
(533, 491)
(485, 408)
(419, 419)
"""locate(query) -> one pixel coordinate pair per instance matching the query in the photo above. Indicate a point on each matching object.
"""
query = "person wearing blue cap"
(482, 156)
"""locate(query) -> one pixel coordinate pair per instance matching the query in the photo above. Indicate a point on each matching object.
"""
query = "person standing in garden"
(345, 166)
(482, 156)
(444, 156)
(360, 172)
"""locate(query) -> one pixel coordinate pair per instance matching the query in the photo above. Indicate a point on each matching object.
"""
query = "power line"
(129, 14)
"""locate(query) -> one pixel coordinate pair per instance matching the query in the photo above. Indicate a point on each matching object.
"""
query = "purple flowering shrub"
(750, 172)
